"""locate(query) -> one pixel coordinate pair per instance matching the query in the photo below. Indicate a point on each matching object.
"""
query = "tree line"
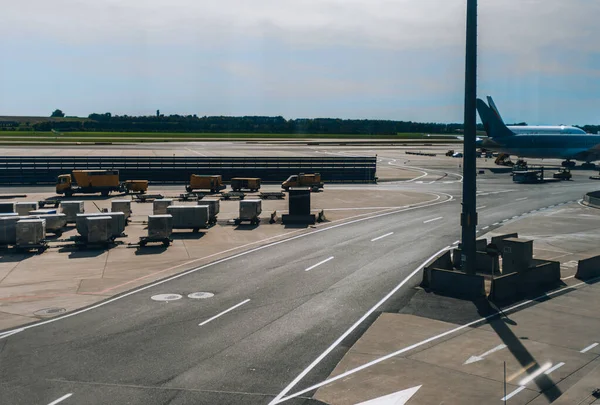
(247, 124)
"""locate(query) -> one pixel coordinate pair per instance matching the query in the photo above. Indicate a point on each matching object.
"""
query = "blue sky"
(388, 59)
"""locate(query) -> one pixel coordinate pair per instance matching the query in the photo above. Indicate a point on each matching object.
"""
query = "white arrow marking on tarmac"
(474, 359)
(397, 398)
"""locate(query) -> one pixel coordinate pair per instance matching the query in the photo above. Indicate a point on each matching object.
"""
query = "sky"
(365, 59)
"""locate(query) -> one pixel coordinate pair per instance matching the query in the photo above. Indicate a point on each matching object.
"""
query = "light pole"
(469, 211)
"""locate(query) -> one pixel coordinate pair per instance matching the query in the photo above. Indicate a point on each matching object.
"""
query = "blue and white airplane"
(542, 142)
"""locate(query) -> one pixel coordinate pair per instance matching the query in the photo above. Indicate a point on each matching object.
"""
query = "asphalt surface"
(269, 318)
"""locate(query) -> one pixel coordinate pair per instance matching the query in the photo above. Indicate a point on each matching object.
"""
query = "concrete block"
(517, 255)
(483, 261)
(588, 268)
(456, 284)
(481, 244)
(542, 276)
(499, 240)
(505, 288)
(443, 261)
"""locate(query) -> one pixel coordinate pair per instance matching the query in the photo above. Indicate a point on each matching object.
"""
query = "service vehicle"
(303, 180)
(134, 186)
(88, 181)
(248, 183)
(214, 183)
(563, 173)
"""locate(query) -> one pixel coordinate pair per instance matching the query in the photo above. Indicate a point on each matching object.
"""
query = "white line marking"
(512, 394)
(224, 312)
(10, 333)
(279, 398)
(535, 374)
(482, 207)
(397, 398)
(515, 217)
(590, 347)
(522, 199)
(382, 236)
(60, 399)
(431, 220)
(496, 223)
(185, 273)
(485, 227)
(556, 367)
(196, 152)
(474, 359)
(320, 263)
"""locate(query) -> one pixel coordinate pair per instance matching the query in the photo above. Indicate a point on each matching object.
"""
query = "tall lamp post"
(468, 218)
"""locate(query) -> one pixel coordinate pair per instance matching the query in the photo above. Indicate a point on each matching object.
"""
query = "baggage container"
(248, 183)
(214, 206)
(160, 206)
(30, 232)
(250, 210)
(7, 207)
(45, 211)
(117, 222)
(98, 229)
(160, 226)
(71, 209)
(189, 216)
(54, 222)
(123, 206)
(135, 186)
(214, 183)
(8, 230)
(23, 208)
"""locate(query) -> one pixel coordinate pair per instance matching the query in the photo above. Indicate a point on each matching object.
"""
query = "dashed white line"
(224, 312)
(431, 220)
(567, 278)
(537, 373)
(484, 228)
(382, 236)
(512, 394)
(482, 207)
(522, 199)
(320, 263)
(590, 347)
(496, 223)
(60, 399)
(556, 367)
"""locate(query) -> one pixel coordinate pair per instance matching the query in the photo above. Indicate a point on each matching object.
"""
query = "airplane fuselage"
(576, 147)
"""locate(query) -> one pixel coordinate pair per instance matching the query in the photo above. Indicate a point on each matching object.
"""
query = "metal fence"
(44, 170)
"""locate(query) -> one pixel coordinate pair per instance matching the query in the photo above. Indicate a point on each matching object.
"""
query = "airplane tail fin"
(494, 108)
(492, 122)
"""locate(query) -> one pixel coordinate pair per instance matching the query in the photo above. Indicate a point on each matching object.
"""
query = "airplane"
(543, 142)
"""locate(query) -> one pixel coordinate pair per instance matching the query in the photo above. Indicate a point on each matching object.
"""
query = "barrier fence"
(44, 170)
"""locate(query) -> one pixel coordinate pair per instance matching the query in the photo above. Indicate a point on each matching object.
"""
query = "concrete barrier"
(592, 199)
(483, 261)
(499, 240)
(456, 284)
(588, 268)
(443, 261)
(541, 276)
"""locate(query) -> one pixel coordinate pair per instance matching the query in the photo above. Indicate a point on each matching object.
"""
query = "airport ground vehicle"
(503, 160)
(214, 183)
(450, 153)
(134, 186)
(97, 181)
(88, 181)
(303, 180)
(563, 173)
(249, 183)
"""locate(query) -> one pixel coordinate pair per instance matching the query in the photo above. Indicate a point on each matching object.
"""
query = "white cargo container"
(189, 216)
(30, 232)
(160, 226)
(54, 222)
(214, 205)
(117, 222)
(123, 206)
(250, 210)
(23, 208)
(98, 229)
(7, 207)
(8, 229)
(160, 206)
(71, 209)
